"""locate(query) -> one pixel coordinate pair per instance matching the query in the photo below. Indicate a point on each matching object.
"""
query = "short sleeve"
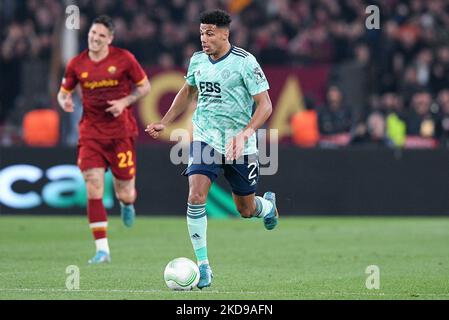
(253, 76)
(135, 71)
(190, 77)
(70, 79)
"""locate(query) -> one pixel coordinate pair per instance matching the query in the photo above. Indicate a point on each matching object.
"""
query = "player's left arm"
(263, 111)
(140, 90)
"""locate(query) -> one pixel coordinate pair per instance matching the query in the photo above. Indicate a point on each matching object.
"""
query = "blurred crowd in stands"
(403, 98)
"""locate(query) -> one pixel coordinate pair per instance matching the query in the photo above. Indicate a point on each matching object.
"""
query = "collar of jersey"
(222, 58)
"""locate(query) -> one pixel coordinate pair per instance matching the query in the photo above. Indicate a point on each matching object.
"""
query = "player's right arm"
(65, 91)
(180, 104)
(65, 101)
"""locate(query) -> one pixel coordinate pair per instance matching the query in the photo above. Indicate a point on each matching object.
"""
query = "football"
(181, 274)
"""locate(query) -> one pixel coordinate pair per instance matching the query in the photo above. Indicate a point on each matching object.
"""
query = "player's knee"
(197, 198)
(94, 189)
(126, 196)
(245, 211)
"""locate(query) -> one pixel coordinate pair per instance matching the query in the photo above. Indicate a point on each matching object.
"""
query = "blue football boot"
(271, 220)
(128, 214)
(205, 276)
(100, 257)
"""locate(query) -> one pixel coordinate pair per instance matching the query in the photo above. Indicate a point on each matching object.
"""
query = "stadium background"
(362, 115)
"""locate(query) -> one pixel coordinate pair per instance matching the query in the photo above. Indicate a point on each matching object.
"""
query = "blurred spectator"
(407, 54)
(41, 128)
(420, 120)
(423, 67)
(304, 125)
(391, 105)
(373, 133)
(334, 119)
(275, 44)
(443, 102)
(409, 84)
(11, 56)
(439, 78)
(314, 45)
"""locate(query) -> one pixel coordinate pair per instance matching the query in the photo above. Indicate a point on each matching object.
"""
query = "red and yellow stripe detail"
(141, 81)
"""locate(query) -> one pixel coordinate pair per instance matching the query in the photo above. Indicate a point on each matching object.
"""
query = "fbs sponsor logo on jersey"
(210, 89)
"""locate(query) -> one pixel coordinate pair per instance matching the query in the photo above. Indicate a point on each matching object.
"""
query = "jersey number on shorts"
(125, 159)
(253, 173)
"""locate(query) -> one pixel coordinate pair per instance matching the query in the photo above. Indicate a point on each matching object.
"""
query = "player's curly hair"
(218, 17)
(106, 21)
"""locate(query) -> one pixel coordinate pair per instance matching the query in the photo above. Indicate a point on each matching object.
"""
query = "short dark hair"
(106, 21)
(220, 18)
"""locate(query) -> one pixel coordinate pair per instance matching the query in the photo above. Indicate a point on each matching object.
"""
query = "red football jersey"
(111, 78)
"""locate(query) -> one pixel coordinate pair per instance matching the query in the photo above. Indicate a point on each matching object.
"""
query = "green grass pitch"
(304, 258)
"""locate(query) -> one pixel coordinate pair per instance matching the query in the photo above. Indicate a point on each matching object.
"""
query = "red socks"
(98, 220)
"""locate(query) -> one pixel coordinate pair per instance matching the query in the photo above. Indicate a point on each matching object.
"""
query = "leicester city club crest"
(225, 74)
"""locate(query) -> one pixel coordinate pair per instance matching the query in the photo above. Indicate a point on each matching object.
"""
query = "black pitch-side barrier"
(308, 182)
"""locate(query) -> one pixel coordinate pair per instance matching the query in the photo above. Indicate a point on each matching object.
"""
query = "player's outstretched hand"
(153, 129)
(117, 107)
(68, 103)
(235, 147)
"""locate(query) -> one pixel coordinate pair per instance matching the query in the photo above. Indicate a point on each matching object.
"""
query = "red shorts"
(118, 154)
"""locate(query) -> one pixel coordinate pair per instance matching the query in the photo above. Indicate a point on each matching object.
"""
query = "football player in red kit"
(111, 80)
